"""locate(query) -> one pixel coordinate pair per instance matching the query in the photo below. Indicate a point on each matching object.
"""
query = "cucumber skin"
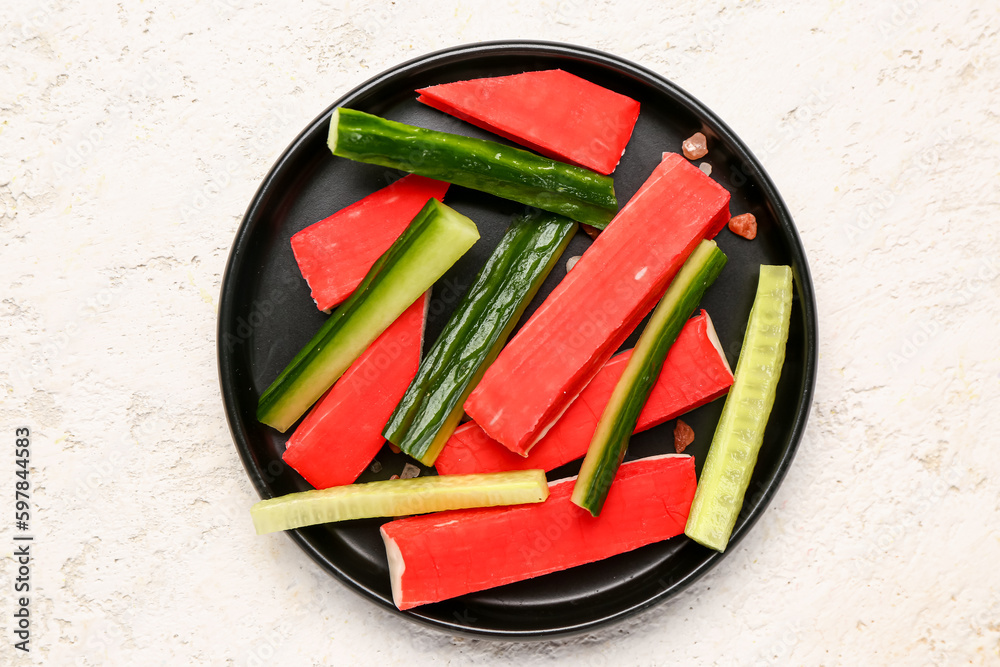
(611, 438)
(708, 523)
(399, 497)
(294, 390)
(511, 173)
(473, 336)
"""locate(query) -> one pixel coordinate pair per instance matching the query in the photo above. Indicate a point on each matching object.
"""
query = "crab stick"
(436, 557)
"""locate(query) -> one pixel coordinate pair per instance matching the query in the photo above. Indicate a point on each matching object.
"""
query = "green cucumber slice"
(738, 437)
(399, 497)
(511, 173)
(607, 448)
(434, 240)
(432, 406)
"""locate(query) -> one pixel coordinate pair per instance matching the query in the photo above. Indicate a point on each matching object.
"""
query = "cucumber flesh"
(511, 173)
(483, 320)
(398, 497)
(738, 437)
(610, 441)
(434, 240)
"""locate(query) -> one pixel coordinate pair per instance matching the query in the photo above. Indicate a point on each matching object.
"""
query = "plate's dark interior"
(266, 315)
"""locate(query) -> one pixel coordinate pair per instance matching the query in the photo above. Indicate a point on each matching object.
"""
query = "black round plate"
(266, 315)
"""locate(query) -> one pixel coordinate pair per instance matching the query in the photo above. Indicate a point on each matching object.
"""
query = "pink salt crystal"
(695, 147)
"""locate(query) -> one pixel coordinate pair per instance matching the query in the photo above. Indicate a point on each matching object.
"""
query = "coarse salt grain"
(744, 225)
(683, 436)
(695, 147)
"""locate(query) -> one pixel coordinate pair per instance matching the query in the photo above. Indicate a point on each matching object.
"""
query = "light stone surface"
(133, 135)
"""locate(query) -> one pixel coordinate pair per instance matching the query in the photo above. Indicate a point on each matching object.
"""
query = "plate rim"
(751, 166)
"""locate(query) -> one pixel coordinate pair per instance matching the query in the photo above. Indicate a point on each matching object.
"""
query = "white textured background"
(133, 135)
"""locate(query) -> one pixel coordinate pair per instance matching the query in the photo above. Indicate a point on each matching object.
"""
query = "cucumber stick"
(610, 440)
(434, 240)
(432, 406)
(511, 173)
(399, 497)
(738, 437)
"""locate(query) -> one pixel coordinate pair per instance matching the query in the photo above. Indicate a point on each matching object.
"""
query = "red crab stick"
(436, 557)
(343, 432)
(594, 309)
(694, 373)
(552, 112)
(335, 253)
